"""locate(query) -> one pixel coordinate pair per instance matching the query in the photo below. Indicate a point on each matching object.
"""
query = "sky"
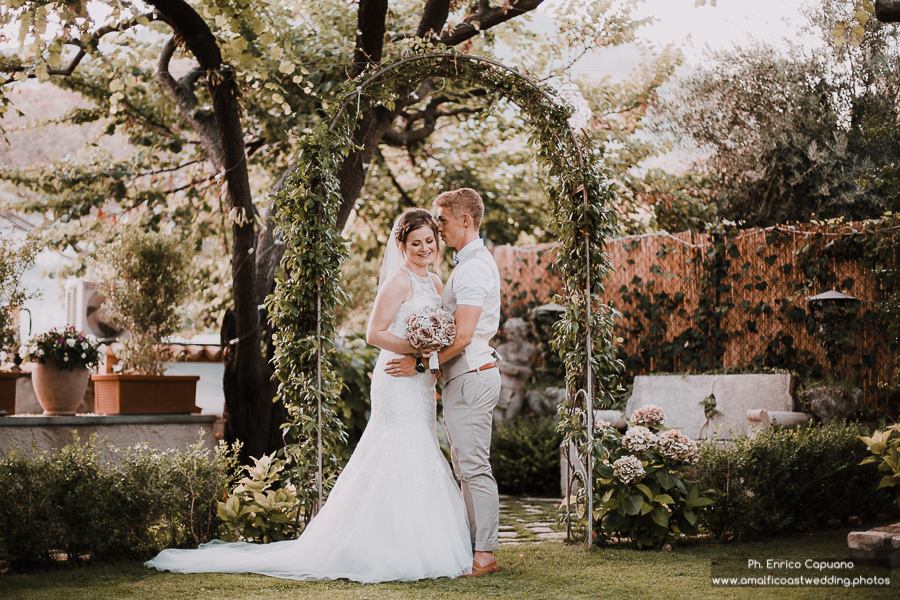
(678, 21)
(693, 29)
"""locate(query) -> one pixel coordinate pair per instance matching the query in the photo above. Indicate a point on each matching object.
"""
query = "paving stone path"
(526, 520)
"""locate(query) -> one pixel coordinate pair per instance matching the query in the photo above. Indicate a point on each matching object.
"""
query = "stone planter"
(118, 394)
(59, 391)
(8, 392)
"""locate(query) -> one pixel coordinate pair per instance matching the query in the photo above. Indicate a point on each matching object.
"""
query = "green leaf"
(888, 481)
(664, 499)
(660, 516)
(666, 480)
(632, 504)
(645, 490)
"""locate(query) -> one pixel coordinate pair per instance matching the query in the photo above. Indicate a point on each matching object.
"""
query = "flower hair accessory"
(430, 329)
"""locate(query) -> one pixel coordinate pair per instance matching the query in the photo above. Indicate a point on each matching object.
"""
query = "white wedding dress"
(394, 514)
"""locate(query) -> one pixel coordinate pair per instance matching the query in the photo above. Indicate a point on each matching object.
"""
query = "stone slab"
(158, 431)
(680, 397)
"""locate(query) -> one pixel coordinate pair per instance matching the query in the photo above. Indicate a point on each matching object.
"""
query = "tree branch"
(434, 16)
(82, 52)
(485, 18)
(186, 102)
(404, 197)
(370, 28)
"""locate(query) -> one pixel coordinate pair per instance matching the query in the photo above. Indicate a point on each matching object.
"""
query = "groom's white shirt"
(474, 282)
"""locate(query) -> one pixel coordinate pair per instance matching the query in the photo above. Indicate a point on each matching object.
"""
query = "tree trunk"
(248, 407)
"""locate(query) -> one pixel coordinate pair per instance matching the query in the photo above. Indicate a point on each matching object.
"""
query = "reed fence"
(738, 301)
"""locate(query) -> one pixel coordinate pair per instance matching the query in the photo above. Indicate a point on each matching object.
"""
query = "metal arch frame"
(587, 393)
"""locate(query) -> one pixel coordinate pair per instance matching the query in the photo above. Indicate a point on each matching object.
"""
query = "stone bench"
(681, 397)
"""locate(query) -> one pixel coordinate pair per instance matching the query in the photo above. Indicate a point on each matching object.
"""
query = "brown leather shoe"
(487, 569)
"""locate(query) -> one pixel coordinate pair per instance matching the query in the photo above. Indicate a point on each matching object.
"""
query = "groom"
(469, 368)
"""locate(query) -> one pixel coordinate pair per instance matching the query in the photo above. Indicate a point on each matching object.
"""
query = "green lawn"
(532, 571)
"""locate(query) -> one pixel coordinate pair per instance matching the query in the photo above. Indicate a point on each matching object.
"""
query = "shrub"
(643, 490)
(70, 505)
(525, 457)
(145, 277)
(787, 479)
(259, 509)
(885, 446)
(16, 257)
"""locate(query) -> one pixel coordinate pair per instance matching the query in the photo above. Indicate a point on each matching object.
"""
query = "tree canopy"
(793, 133)
(213, 97)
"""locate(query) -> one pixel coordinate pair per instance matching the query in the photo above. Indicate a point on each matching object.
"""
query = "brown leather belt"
(482, 368)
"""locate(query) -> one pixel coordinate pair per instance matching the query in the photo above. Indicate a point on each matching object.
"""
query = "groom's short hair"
(463, 201)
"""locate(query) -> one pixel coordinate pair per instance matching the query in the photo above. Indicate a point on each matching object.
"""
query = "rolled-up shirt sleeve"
(473, 289)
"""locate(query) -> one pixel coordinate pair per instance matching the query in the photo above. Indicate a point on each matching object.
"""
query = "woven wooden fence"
(680, 315)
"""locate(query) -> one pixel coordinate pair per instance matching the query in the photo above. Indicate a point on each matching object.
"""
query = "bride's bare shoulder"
(399, 285)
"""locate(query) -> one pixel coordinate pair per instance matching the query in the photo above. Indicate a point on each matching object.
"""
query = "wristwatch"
(420, 366)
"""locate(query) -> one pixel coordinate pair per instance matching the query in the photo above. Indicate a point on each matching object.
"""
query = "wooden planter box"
(118, 394)
(8, 392)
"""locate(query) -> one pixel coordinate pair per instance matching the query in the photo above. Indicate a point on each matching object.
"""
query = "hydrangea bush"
(67, 347)
(643, 488)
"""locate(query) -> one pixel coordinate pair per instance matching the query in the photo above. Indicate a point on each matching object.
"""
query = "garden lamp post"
(834, 315)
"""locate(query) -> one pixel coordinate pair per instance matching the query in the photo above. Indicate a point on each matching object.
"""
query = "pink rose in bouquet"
(431, 329)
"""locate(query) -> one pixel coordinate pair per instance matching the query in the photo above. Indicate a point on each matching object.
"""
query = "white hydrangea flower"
(39, 352)
(85, 345)
(629, 469)
(71, 342)
(676, 446)
(601, 424)
(3, 356)
(66, 357)
(638, 439)
(649, 415)
(83, 355)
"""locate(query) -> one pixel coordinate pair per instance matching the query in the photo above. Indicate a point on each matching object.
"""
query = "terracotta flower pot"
(8, 392)
(59, 391)
(119, 394)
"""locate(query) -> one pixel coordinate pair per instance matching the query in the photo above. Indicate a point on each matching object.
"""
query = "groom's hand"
(402, 367)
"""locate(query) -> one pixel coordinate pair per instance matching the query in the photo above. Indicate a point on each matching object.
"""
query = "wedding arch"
(307, 291)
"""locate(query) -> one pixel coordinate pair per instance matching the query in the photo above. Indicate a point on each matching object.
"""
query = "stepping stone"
(540, 529)
(556, 535)
(539, 525)
(510, 543)
(520, 520)
(507, 534)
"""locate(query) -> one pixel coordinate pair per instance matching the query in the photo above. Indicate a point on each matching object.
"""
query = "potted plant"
(64, 358)
(16, 257)
(145, 278)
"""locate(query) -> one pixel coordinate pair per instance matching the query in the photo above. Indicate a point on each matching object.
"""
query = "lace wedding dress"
(394, 514)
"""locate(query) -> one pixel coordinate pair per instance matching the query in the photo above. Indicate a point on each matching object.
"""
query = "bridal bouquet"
(431, 329)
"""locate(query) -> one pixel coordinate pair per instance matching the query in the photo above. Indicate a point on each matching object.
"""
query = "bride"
(395, 513)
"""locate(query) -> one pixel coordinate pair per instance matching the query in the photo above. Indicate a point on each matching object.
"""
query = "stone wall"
(158, 431)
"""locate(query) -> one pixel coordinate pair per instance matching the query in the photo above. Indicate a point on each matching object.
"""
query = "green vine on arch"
(308, 289)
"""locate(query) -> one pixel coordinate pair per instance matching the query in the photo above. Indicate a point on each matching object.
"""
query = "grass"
(531, 571)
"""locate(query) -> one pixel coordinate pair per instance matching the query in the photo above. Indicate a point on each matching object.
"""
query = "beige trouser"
(469, 402)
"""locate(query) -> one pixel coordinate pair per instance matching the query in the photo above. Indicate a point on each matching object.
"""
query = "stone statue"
(832, 404)
(515, 367)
